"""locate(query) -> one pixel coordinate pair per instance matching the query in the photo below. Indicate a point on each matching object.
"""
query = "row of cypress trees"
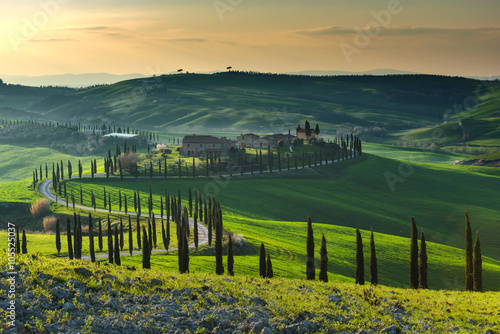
(21, 247)
(418, 261)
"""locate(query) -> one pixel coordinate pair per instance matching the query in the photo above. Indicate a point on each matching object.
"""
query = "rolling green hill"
(264, 102)
(357, 196)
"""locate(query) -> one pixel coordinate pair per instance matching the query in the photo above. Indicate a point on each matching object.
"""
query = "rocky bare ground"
(94, 300)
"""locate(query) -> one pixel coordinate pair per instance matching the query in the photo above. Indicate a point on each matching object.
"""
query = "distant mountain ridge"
(92, 79)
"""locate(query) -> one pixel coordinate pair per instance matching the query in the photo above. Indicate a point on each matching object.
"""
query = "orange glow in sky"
(451, 37)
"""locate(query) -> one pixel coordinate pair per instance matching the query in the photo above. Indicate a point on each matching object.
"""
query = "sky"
(449, 37)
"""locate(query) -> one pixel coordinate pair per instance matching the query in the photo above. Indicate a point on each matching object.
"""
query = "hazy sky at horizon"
(451, 37)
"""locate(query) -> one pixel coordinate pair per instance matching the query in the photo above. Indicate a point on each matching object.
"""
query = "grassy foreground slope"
(151, 301)
(378, 192)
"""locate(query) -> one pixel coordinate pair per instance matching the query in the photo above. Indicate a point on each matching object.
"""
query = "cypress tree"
(190, 200)
(469, 281)
(25, 243)
(68, 235)
(154, 230)
(323, 265)
(360, 262)
(18, 241)
(200, 207)
(230, 256)
(58, 238)
(110, 243)
(117, 248)
(373, 261)
(130, 237)
(163, 236)
(167, 233)
(99, 235)
(269, 267)
(150, 235)
(195, 228)
(262, 261)
(310, 271)
(209, 225)
(414, 256)
(219, 267)
(121, 234)
(477, 271)
(422, 265)
(138, 229)
(146, 253)
(91, 239)
(80, 237)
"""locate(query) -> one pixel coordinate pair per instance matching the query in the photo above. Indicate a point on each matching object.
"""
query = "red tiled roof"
(203, 139)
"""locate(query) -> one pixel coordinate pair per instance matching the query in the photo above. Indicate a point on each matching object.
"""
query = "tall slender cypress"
(68, 235)
(117, 248)
(99, 235)
(138, 230)
(146, 253)
(469, 280)
(195, 228)
(121, 234)
(167, 232)
(310, 270)
(230, 256)
(219, 267)
(190, 201)
(153, 224)
(58, 237)
(164, 236)
(110, 243)
(323, 264)
(25, 243)
(91, 239)
(18, 242)
(150, 235)
(262, 261)
(130, 236)
(269, 267)
(422, 265)
(360, 262)
(209, 224)
(477, 271)
(414, 255)
(373, 261)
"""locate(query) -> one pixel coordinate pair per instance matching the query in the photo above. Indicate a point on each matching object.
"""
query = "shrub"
(40, 208)
(297, 142)
(49, 223)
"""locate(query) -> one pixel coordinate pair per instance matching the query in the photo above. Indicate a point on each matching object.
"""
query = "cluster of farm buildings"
(197, 145)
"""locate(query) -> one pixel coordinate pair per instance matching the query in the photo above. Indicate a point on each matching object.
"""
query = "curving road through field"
(45, 190)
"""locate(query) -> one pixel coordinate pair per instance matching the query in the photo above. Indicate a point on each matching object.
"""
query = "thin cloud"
(50, 40)
(398, 31)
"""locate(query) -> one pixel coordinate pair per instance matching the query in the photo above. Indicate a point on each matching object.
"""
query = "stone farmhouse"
(196, 146)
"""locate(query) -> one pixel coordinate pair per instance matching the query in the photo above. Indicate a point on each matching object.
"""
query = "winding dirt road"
(45, 190)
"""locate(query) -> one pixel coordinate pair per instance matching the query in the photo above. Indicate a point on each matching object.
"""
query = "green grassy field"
(357, 196)
(413, 154)
(19, 161)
